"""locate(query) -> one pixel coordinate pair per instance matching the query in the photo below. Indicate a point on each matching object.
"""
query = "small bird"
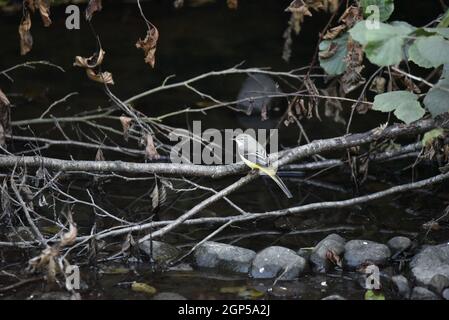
(255, 156)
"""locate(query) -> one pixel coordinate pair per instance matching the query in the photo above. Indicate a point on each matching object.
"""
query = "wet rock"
(420, 293)
(399, 244)
(275, 261)
(446, 294)
(334, 297)
(305, 253)
(357, 252)
(168, 296)
(224, 257)
(429, 262)
(402, 285)
(318, 258)
(162, 252)
(58, 295)
(438, 283)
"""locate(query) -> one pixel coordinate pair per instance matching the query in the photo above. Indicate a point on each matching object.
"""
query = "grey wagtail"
(255, 156)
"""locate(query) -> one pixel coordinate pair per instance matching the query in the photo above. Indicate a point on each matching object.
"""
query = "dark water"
(194, 41)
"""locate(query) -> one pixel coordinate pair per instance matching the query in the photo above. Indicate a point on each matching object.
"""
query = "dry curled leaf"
(334, 258)
(4, 102)
(232, 4)
(150, 150)
(44, 10)
(69, 237)
(126, 124)
(334, 32)
(92, 7)
(149, 44)
(178, 4)
(330, 52)
(102, 77)
(26, 40)
(92, 62)
(99, 156)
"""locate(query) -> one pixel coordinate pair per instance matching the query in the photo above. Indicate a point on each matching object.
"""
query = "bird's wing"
(257, 157)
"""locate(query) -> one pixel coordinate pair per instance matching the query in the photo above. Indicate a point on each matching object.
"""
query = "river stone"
(318, 257)
(334, 297)
(446, 294)
(429, 262)
(399, 244)
(357, 252)
(223, 256)
(402, 285)
(420, 293)
(168, 296)
(58, 295)
(438, 283)
(162, 252)
(275, 261)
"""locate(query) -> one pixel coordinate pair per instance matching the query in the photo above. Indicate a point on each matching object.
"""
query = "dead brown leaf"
(149, 45)
(92, 62)
(102, 77)
(5, 118)
(334, 258)
(334, 32)
(99, 156)
(233, 4)
(150, 150)
(26, 39)
(44, 10)
(92, 7)
(126, 124)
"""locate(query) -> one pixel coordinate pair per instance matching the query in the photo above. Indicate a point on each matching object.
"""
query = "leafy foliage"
(404, 104)
(386, 8)
(383, 46)
(437, 99)
(332, 54)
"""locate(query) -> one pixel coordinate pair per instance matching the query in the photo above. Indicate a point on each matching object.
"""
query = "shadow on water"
(194, 41)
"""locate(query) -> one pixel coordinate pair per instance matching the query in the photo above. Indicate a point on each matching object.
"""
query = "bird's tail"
(272, 173)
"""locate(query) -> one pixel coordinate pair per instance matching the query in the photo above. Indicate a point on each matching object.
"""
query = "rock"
(357, 252)
(275, 261)
(305, 253)
(399, 244)
(223, 256)
(319, 258)
(446, 294)
(58, 295)
(162, 252)
(168, 296)
(420, 293)
(334, 297)
(438, 283)
(429, 262)
(402, 285)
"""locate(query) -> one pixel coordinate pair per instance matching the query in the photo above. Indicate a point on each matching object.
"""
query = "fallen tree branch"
(218, 171)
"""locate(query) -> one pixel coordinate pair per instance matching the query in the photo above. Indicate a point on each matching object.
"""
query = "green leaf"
(431, 135)
(437, 99)
(441, 31)
(434, 50)
(334, 65)
(444, 21)
(371, 295)
(383, 45)
(415, 55)
(386, 8)
(404, 103)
